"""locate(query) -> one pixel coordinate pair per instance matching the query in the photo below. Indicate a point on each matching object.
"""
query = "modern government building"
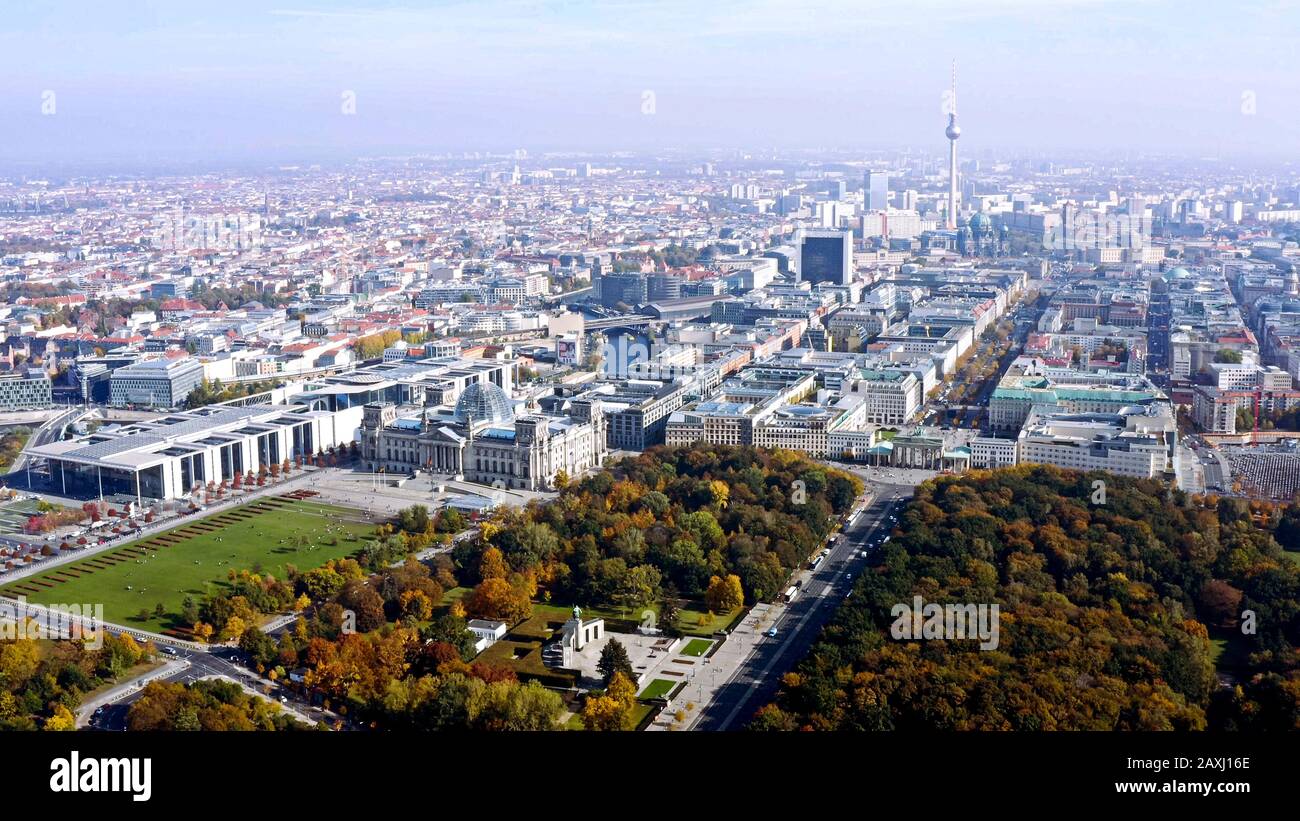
(446, 414)
(28, 390)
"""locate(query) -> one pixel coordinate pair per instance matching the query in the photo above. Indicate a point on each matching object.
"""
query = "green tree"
(614, 659)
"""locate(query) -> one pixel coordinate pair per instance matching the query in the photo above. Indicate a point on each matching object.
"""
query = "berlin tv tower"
(953, 131)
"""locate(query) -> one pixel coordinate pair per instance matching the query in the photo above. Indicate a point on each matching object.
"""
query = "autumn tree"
(496, 598)
(492, 565)
(415, 604)
(613, 710)
(724, 594)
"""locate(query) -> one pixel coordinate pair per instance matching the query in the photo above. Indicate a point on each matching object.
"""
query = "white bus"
(791, 592)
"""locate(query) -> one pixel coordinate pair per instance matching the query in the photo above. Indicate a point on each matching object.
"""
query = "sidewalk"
(717, 670)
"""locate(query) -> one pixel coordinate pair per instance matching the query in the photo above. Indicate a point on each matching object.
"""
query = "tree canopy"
(1106, 613)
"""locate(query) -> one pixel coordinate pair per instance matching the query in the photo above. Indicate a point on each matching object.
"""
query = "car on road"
(770, 632)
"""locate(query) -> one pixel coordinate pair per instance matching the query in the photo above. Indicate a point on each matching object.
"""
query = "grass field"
(1228, 650)
(194, 558)
(696, 647)
(698, 623)
(658, 688)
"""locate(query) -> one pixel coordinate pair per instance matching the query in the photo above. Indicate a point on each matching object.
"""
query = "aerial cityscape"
(561, 429)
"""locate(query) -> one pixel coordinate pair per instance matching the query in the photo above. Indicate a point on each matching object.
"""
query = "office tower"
(629, 288)
(953, 131)
(1233, 211)
(876, 188)
(663, 286)
(836, 189)
(909, 200)
(789, 203)
(832, 213)
(826, 256)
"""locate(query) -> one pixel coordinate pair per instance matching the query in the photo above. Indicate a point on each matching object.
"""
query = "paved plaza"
(650, 658)
(382, 496)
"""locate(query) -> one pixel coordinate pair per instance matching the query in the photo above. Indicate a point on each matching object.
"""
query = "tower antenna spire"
(954, 85)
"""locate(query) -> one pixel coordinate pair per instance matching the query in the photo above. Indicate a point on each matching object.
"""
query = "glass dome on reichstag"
(483, 402)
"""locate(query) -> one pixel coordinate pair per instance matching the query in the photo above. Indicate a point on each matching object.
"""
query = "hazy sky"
(248, 78)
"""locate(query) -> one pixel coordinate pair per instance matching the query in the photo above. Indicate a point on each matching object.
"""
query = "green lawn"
(134, 672)
(696, 647)
(698, 623)
(450, 597)
(659, 688)
(1228, 650)
(259, 534)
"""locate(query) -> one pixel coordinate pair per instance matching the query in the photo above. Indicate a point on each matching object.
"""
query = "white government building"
(167, 457)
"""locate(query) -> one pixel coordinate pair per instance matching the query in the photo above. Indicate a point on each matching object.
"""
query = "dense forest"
(381, 643)
(667, 522)
(1152, 610)
(718, 525)
(42, 680)
(215, 705)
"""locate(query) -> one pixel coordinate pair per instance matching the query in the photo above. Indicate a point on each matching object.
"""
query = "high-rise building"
(663, 286)
(826, 256)
(953, 131)
(876, 190)
(629, 288)
(159, 383)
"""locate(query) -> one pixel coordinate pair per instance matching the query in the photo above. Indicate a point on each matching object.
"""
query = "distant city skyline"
(146, 82)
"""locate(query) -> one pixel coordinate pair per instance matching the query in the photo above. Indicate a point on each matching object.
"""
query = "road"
(48, 432)
(755, 681)
(99, 705)
(190, 667)
(1209, 461)
(976, 392)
